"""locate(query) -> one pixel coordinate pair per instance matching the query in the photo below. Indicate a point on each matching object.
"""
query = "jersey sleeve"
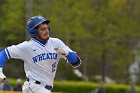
(17, 51)
(60, 44)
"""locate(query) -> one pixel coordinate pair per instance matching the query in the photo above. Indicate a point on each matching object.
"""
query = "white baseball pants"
(31, 87)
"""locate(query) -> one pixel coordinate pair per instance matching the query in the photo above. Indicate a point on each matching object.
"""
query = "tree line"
(104, 33)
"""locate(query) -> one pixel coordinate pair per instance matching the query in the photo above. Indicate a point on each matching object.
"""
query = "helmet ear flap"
(33, 33)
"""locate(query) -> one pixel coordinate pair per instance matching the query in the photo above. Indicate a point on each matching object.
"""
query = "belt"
(38, 82)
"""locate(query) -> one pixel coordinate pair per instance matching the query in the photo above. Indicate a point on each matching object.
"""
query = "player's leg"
(26, 88)
(39, 89)
(34, 88)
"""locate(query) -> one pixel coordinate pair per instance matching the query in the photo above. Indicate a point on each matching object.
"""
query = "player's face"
(43, 31)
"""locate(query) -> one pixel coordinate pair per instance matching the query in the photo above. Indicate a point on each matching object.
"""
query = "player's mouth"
(46, 34)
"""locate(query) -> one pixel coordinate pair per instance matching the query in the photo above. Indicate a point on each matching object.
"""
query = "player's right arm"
(3, 58)
(14, 51)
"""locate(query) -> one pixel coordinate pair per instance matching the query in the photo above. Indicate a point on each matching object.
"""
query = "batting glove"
(61, 51)
(2, 76)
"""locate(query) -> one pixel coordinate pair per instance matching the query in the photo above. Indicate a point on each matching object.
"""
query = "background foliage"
(85, 87)
(104, 33)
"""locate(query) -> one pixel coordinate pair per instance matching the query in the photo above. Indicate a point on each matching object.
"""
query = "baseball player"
(40, 56)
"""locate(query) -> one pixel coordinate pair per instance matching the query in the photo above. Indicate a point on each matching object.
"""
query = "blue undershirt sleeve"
(3, 58)
(72, 57)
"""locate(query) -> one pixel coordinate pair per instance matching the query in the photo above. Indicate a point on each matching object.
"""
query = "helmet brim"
(44, 22)
(47, 22)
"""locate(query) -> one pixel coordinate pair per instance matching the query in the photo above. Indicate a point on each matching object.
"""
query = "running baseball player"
(40, 56)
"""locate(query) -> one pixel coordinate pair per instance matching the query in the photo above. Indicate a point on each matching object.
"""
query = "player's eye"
(43, 29)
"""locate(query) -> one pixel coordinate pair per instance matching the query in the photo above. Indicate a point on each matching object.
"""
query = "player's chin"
(46, 37)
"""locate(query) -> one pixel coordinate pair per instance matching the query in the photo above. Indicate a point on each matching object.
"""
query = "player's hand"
(61, 51)
(2, 77)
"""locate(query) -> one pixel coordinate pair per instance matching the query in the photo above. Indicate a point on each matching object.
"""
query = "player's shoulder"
(55, 39)
(24, 45)
(56, 42)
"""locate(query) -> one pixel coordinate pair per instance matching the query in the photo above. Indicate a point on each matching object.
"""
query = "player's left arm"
(71, 56)
(73, 59)
(67, 53)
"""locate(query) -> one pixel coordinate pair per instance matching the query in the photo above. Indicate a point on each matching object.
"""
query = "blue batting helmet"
(33, 22)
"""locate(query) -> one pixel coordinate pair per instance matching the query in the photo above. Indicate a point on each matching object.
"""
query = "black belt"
(38, 82)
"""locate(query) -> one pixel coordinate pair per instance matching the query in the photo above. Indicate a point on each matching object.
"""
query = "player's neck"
(42, 41)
